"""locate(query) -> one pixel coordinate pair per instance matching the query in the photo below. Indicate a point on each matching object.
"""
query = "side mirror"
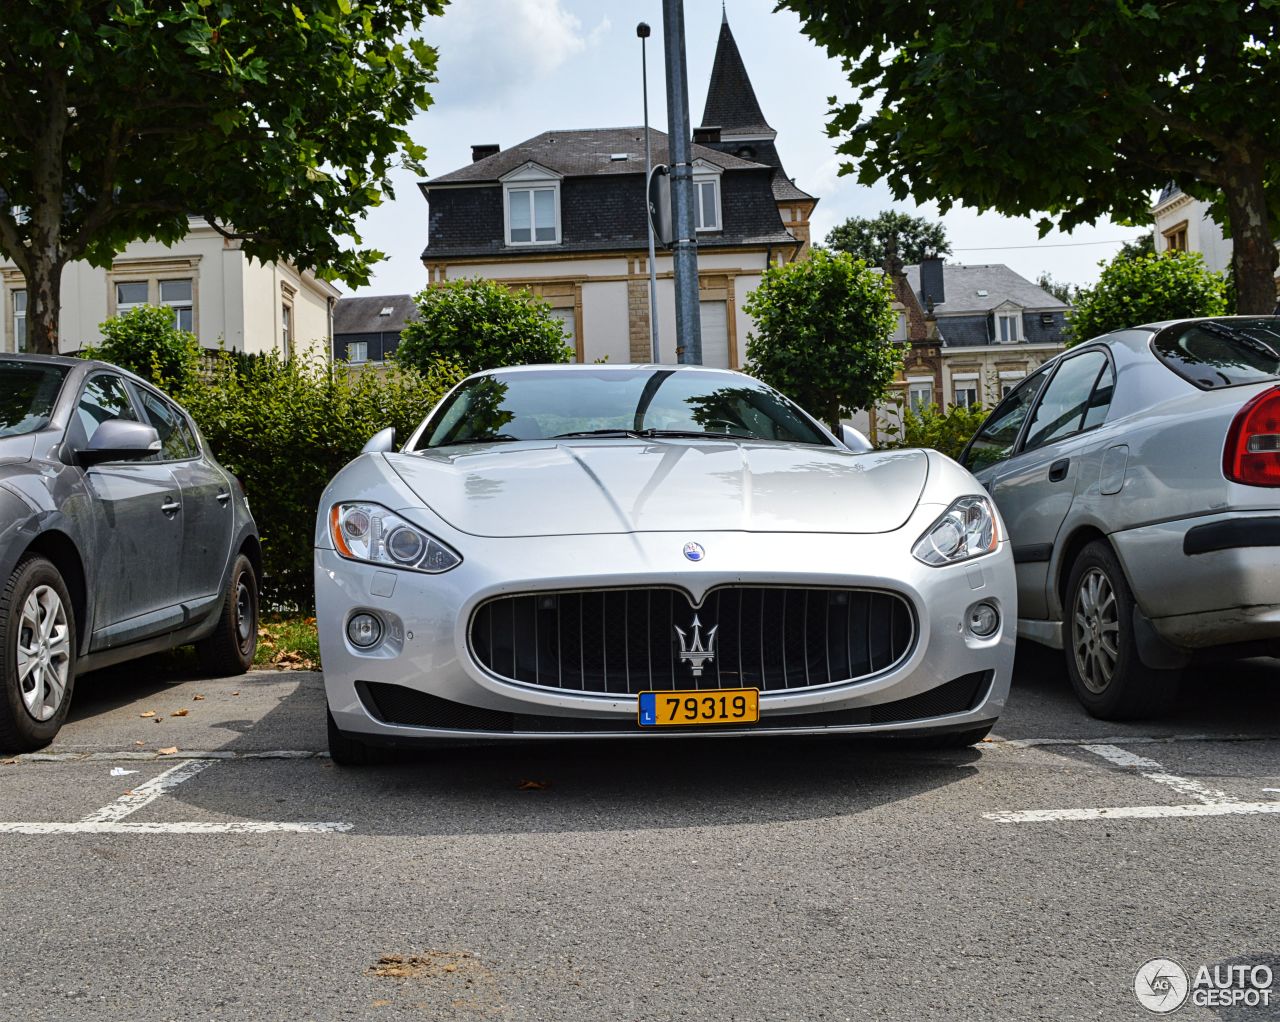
(382, 442)
(854, 440)
(121, 440)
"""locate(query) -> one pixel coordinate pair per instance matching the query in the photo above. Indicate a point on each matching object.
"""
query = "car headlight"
(967, 529)
(369, 532)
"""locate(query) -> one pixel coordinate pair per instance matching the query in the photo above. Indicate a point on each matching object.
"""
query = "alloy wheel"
(43, 653)
(1095, 631)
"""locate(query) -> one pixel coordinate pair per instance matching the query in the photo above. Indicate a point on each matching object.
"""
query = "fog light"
(364, 630)
(984, 619)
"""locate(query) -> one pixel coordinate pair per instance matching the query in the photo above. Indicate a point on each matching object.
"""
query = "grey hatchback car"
(1138, 476)
(119, 536)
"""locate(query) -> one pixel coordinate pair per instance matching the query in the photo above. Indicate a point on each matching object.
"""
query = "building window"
(1175, 238)
(532, 216)
(20, 321)
(706, 204)
(900, 329)
(177, 294)
(357, 351)
(919, 394)
(129, 295)
(1009, 380)
(964, 391)
(286, 330)
(1008, 327)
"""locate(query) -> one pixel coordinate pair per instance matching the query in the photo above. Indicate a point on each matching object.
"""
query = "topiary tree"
(822, 334)
(1147, 289)
(146, 341)
(480, 324)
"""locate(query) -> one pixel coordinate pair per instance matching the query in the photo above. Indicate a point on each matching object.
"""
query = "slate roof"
(731, 101)
(1167, 193)
(363, 315)
(962, 284)
(581, 152)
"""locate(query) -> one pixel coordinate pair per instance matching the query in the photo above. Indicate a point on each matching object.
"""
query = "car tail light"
(1252, 454)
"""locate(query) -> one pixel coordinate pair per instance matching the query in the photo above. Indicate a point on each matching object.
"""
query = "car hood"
(561, 489)
(15, 449)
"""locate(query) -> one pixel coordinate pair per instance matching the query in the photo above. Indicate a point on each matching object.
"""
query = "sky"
(511, 69)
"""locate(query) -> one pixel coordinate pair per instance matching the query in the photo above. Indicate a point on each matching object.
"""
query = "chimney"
(707, 135)
(931, 290)
(482, 152)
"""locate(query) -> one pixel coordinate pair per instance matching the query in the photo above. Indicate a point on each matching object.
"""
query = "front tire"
(1108, 675)
(229, 649)
(37, 655)
(348, 751)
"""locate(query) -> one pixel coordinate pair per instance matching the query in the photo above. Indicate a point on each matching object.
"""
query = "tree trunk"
(1253, 251)
(44, 297)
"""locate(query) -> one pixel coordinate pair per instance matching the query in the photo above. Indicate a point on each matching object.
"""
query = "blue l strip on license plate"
(685, 708)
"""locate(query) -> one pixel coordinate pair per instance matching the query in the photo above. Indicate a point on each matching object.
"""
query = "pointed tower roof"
(731, 101)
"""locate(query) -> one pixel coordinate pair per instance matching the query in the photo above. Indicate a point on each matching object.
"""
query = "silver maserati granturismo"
(601, 551)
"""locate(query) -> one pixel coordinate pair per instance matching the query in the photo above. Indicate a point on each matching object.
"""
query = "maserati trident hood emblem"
(695, 652)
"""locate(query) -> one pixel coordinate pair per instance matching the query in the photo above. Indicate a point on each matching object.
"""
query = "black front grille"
(395, 704)
(625, 641)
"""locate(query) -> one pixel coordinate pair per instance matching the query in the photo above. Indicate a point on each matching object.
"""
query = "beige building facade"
(214, 290)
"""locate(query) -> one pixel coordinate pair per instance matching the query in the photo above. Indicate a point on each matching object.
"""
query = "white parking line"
(110, 818)
(147, 792)
(1209, 801)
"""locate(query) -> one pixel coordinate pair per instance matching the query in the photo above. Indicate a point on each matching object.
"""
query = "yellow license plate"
(723, 706)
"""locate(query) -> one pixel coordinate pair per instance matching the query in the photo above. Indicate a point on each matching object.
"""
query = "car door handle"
(223, 497)
(1058, 470)
(170, 507)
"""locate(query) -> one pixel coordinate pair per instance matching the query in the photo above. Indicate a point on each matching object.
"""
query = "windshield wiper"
(493, 438)
(597, 432)
(690, 434)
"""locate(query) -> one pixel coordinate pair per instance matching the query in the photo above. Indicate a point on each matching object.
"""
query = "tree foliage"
(1071, 107)
(1147, 289)
(1060, 289)
(822, 334)
(1142, 245)
(480, 324)
(868, 239)
(145, 341)
(278, 123)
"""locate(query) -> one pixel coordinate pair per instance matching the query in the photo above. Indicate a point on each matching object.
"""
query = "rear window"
(1222, 353)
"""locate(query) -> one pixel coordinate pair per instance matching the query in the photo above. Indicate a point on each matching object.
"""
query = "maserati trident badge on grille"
(695, 652)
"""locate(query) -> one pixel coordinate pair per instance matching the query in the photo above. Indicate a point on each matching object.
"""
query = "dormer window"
(1008, 327)
(706, 196)
(531, 201)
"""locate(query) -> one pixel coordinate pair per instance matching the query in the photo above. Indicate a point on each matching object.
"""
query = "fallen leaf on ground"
(180, 713)
(9, 762)
(988, 739)
(156, 720)
(197, 698)
(149, 713)
(533, 785)
(139, 742)
(169, 751)
(381, 1004)
(129, 792)
(235, 693)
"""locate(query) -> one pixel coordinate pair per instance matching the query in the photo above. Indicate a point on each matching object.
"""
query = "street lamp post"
(680, 138)
(642, 31)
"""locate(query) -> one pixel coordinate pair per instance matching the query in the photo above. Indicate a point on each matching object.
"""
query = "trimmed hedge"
(284, 428)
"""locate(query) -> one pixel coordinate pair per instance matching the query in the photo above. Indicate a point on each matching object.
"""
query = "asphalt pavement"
(233, 872)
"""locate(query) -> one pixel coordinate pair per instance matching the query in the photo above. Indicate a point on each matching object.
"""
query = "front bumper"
(427, 616)
(1207, 581)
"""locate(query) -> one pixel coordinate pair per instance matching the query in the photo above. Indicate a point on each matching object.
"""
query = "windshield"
(1222, 353)
(28, 391)
(554, 404)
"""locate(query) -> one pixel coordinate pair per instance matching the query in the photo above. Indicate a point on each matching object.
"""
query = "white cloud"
(491, 48)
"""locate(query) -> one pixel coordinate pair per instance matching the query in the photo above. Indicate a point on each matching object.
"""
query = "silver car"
(119, 536)
(652, 550)
(1139, 477)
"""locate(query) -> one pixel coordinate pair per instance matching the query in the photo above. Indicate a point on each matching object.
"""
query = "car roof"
(71, 362)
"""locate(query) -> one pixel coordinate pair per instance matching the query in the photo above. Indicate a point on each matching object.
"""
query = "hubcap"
(1095, 630)
(44, 653)
(244, 613)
